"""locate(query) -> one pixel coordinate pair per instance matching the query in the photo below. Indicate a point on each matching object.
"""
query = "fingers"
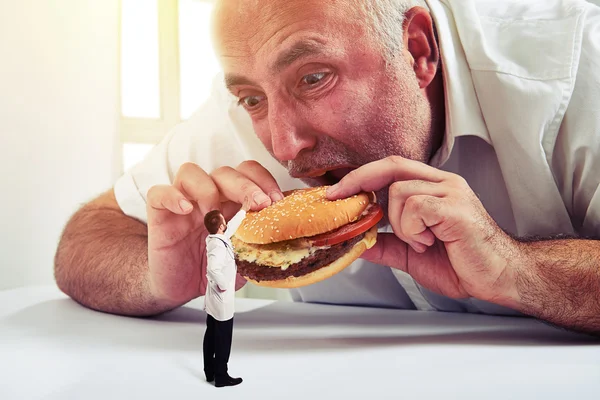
(250, 184)
(263, 178)
(198, 186)
(416, 235)
(389, 251)
(379, 174)
(165, 200)
(237, 187)
(166, 197)
(421, 214)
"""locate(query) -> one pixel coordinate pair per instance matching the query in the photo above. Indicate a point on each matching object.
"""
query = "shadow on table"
(282, 327)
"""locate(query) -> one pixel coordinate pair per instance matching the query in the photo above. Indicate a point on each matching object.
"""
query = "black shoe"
(209, 377)
(227, 381)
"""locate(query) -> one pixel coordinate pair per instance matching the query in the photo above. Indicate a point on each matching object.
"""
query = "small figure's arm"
(235, 222)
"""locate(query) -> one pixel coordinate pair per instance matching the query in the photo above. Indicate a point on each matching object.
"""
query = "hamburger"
(305, 238)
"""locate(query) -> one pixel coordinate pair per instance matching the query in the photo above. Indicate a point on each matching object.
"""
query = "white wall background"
(58, 124)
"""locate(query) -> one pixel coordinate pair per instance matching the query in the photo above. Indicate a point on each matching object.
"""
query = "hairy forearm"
(559, 281)
(102, 263)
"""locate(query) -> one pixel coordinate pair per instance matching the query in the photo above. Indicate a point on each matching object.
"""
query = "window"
(167, 65)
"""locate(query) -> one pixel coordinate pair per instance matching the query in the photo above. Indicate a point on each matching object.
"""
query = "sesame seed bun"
(327, 271)
(305, 238)
(301, 213)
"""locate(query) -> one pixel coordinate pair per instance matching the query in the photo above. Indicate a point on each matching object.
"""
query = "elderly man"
(476, 122)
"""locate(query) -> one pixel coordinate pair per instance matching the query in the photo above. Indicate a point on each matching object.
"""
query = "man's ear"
(421, 44)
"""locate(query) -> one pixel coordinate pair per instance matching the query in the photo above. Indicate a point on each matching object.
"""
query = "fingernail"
(276, 196)
(260, 198)
(185, 205)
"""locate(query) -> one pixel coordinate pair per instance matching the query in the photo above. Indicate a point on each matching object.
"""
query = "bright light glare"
(198, 64)
(139, 59)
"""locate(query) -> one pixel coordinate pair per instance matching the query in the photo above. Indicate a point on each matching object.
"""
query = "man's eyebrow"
(302, 48)
(234, 80)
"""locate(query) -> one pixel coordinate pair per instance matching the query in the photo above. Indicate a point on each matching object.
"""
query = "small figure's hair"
(212, 221)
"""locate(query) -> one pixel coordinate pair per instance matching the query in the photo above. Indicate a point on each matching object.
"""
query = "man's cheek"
(334, 119)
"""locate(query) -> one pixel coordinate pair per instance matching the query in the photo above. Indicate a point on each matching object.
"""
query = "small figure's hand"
(454, 246)
(247, 204)
(176, 232)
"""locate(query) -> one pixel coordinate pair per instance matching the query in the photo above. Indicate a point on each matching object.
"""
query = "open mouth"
(330, 176)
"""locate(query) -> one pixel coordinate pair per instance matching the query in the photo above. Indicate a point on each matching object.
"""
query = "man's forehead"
(244, 28)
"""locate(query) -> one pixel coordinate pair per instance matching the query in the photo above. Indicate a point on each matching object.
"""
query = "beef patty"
(308, 264)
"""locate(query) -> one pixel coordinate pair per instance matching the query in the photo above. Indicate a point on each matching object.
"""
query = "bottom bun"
(327, 271)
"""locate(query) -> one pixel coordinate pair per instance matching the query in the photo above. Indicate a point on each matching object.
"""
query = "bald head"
(247, 26)
(381, 19)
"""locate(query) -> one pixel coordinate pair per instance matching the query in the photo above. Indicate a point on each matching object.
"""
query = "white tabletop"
(53, 348)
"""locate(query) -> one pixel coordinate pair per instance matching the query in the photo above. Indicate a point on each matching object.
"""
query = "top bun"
(301, 213)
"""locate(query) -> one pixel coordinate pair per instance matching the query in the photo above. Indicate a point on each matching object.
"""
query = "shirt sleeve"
(576, 157)
(204, 139)
(234, 223)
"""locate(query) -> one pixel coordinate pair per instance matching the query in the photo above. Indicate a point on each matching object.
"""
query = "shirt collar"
(463, 114)
(218, 235)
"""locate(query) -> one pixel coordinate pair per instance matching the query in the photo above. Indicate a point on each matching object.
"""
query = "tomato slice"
(373, 216)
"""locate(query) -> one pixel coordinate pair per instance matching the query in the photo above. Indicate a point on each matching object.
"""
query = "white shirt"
(221, 271)
(522, 84)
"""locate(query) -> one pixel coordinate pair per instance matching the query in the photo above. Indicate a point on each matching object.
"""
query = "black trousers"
(217, 346)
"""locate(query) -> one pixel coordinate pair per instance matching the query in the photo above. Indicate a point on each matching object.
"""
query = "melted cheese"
(277, 255)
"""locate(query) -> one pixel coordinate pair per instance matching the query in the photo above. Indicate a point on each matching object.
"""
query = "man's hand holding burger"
(176, 232)
(443, 237)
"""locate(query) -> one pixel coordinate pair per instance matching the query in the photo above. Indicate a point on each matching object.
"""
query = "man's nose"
(288, 134)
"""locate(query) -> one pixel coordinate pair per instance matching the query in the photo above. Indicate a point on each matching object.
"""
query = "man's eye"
(250, 101)
(312, 79)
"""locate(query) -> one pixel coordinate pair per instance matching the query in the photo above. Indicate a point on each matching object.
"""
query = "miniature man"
(221, 272)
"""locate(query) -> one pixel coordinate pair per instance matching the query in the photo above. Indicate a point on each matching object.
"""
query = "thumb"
(389, 251)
